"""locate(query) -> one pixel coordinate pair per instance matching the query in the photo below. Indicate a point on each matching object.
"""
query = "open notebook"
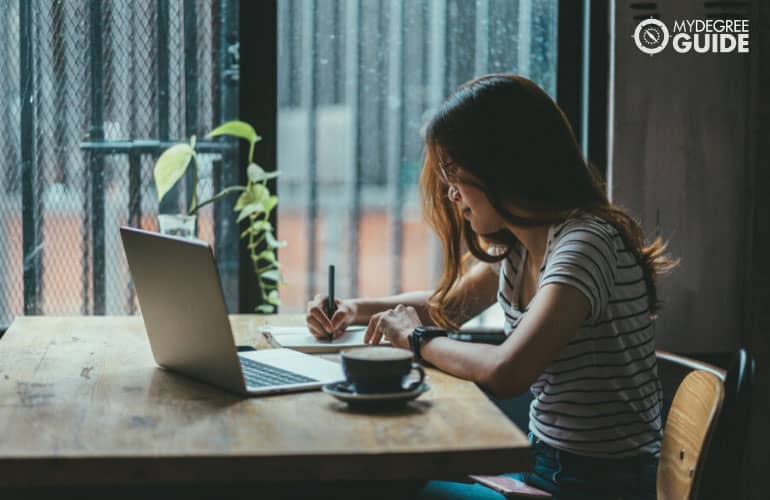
(299, 338)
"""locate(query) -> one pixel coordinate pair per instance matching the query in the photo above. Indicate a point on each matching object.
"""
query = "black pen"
(330, 299)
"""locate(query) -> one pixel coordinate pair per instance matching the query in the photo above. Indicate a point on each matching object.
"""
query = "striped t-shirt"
(601, 396)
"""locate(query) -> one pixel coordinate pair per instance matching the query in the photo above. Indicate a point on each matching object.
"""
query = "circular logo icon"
(651, 36)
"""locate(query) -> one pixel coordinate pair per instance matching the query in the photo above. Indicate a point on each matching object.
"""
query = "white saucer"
(341, 391)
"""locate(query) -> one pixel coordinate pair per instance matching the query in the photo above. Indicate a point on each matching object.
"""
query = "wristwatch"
(421, 335)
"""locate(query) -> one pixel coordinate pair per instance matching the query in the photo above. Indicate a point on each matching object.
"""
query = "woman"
(504, 179)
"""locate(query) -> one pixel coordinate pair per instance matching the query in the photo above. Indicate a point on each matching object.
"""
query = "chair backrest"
(687, 434)
(727, 469)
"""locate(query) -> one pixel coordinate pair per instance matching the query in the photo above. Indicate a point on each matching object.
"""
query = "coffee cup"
(380, 370)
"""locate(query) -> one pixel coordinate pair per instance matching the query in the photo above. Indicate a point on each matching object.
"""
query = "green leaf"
(265, 308)
(267, 255)
(272, 242)
(254, 172)
(256, 193)
(236, 128)
(273, 298)
(270, 203)
(258, 174)
(256, 227)
(272, 275)
(171, 166)
(261, 225)
(250, 209)
(259, 192)
(242, 201)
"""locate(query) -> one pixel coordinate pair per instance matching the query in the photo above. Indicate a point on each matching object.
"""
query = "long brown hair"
(508, 133)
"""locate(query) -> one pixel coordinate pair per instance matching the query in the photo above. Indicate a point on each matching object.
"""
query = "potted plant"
(254, 205)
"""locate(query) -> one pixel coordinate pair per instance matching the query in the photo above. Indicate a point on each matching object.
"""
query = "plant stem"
(194, 202)
(218, 196)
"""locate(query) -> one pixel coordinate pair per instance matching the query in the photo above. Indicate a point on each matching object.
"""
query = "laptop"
(185, 316)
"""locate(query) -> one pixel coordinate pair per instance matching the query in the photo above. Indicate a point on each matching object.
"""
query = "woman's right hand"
(321, 326)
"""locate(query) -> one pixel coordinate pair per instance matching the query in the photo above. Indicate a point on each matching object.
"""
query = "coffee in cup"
(380, 370)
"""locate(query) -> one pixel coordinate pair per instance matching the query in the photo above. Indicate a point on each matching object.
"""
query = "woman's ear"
(454, 194)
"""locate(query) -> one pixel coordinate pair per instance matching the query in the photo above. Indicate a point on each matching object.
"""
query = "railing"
(98, 89)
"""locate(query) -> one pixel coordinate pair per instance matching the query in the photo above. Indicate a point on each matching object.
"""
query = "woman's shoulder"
(586, 227)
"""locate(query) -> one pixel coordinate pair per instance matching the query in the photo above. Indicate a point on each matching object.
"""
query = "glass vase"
(180, 225)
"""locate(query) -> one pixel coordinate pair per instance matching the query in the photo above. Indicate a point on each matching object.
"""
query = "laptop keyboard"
(261, 375)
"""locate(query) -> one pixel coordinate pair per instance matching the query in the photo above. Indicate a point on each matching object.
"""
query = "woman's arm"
(509, 369)
(366, 308)
(476, 291)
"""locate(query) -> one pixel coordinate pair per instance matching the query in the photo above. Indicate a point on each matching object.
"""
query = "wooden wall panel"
(680, 164)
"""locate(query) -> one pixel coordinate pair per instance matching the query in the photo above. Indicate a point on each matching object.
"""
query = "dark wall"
(691, 158)
(680, 164)
(757, 279)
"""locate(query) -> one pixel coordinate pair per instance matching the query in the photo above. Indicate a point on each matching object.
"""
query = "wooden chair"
(687, 435)
(689, 427)
(727, 471)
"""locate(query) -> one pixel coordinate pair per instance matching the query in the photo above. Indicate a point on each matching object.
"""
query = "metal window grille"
(92, 92)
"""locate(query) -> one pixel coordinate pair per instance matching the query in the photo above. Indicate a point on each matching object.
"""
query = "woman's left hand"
(394, 324)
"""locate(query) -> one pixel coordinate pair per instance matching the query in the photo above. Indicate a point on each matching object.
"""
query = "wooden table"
(83, 402)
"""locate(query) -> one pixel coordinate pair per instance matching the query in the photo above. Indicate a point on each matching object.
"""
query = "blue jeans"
(567, 476)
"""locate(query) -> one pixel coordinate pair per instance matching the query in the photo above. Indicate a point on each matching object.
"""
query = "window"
(356, 82)
(91, 93)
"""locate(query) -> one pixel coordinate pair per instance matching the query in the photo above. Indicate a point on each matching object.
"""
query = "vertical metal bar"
(598, 86)
(134, 189)
(61, 85)
(334, 58)
(610, 134)
(569, 62)
(218, 45)
(524, 37)
(585, 77)
(481, 58)
(233, 269)
(438, 52)
(310, 90)
(170, 203)
(284, 48)
(380, 85)
(397, 54)
(162, 58)
(450, 52)
(190, 76)
(437, 48)
(354, 98)
(134, 206)
(96, 163)
(425, 40)
(30, 241)
(258, 105)
(291, 15)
